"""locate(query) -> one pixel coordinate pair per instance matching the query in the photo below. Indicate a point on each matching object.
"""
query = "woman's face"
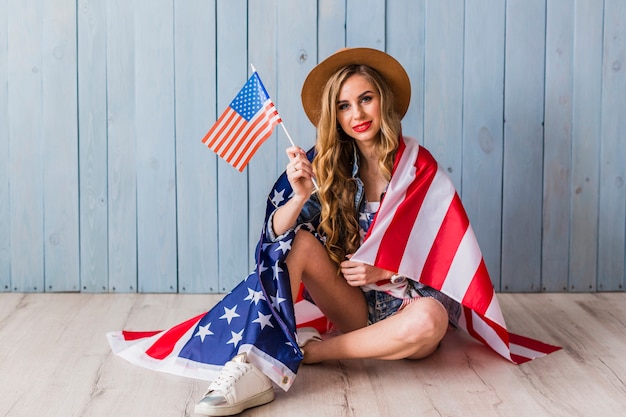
(358, 109)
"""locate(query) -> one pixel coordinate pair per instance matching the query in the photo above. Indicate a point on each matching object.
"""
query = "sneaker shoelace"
(231, 372)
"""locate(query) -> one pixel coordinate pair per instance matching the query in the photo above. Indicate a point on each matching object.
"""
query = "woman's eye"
(342, 106)
(366, 99)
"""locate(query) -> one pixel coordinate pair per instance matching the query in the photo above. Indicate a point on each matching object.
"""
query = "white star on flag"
(230, 313)
(236, 338)
(284, 245)
(278, 197)
(262, 268)
(255, 296)
(277, 270)
(276, 302)
(263, 320)
(204, 331)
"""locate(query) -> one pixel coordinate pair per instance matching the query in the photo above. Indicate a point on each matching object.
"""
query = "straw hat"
(391, 70)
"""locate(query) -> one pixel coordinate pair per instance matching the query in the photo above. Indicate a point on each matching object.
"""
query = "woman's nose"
(357, 112)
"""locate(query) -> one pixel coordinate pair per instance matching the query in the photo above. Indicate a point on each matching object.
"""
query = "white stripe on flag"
(135, 354)
(271, 367)
(255, 137)
(434, 208)
(490, 336)
(462, 268)
(255, 126)
(494, 312)
(306, 311)
(525, 352)
(228, 124)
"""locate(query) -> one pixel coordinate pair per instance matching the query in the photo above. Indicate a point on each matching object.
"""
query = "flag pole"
(282, 124)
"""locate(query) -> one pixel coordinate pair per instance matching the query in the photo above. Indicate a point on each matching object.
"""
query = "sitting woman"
(356, 99)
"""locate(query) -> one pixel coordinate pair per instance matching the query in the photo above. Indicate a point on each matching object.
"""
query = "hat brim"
(385, 64)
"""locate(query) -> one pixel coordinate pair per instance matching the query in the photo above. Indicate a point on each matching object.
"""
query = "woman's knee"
(306, 244)
(308, 256)
(426, 323)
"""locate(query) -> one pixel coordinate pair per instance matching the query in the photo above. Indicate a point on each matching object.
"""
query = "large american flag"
(245, 124)
(258, 317)
(420, 231)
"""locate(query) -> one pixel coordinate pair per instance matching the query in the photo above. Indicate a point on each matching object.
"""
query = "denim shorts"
(381, 305)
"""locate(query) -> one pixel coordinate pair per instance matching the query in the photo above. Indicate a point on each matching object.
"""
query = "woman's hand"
(358, 274)
(299, 172)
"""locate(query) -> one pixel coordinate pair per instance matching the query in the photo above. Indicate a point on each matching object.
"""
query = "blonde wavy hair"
(334, 160)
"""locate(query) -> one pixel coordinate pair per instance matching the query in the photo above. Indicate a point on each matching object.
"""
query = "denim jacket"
(312, 209)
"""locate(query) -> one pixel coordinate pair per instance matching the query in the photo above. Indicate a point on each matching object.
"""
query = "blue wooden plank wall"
(106, 187)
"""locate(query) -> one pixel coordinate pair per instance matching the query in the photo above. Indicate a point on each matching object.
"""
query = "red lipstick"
(362, 127)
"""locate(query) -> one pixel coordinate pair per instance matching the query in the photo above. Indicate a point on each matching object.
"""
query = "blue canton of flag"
(250, 98)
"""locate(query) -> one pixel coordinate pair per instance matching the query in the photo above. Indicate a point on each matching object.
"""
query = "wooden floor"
(55, 361)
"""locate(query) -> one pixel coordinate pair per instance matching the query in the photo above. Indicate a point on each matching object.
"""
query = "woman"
(356, 98)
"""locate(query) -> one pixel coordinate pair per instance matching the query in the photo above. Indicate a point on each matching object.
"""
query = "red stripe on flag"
(532, 344)
(129, 335)
(224, 120)
(469, 324)
(246, 139)
(500, 331)
(400, 228)
(258, 144)
(479, 294)
(270, 118)
(220, 141)
(399, 153)
(166, 343)
(213, 128)
(518, 359)
(232, 137)
(249, 139)
(446, 244)
(224, 134)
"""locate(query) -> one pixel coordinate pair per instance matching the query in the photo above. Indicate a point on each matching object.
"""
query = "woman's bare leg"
(309, 263)
(413, 333)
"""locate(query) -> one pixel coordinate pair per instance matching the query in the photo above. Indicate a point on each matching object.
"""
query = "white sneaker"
(239, 386)
(307, 334)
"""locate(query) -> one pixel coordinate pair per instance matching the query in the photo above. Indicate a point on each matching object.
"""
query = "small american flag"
(245, 124)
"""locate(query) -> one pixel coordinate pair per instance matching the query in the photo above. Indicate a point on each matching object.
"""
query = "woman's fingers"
(295, 152)
(357, 274)
(299, 171)
(299, 167)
